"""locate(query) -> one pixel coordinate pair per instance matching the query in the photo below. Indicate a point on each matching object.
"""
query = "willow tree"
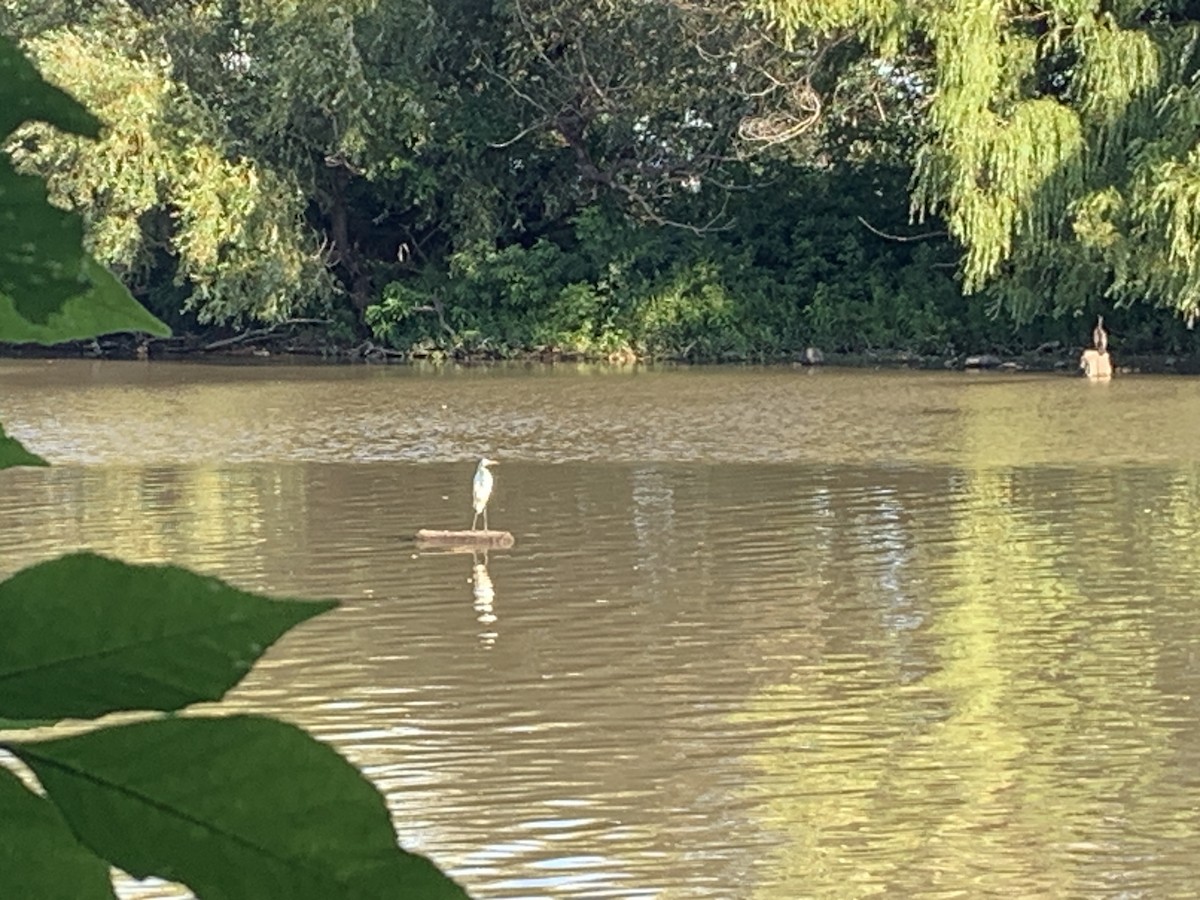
(238, 134)
(1059, 140)
(182, 219)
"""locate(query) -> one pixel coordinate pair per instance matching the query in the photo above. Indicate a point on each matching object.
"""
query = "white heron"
(481, 491)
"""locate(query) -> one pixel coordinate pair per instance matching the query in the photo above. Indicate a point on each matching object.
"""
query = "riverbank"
(296, 343)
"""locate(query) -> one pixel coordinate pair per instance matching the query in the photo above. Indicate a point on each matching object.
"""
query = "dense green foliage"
(708, 180)
(233, 807)
(610, 285)
(1058, 140)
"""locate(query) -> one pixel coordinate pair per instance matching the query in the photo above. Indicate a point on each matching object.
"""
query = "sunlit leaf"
(22, 724)
(84, 635)
(39, 857)
(233, 807)
(13, 454)
(26, 97)
(104, 309)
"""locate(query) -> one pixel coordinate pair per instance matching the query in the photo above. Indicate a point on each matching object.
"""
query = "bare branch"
(898, 237)
(256, 333)
(436, 306)
(781, 127)
(520, 135)
(516, 90)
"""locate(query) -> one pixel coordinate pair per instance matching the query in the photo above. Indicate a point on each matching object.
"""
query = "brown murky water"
(765, 633)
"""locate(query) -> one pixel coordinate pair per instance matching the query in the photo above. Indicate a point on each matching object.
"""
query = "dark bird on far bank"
(1100, 336)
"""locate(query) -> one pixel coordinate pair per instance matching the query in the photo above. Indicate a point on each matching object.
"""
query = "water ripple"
(762, 635)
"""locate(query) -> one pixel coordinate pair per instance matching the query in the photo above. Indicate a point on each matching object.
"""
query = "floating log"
(1096, 365)
(471, 540)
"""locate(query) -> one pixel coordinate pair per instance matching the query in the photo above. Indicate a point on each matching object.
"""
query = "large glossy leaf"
(84, 635)
(13, 454)
(26, 97)
(237, 808)
(21, 724)
(39, 856)
(41, 247)
(50, 289)
(106, 307)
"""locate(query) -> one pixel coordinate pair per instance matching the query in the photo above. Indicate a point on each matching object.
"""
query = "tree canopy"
(227, 805)
(728, 178)
(1058, 139)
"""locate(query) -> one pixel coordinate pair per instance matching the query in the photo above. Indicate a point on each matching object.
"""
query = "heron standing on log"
(481, 491)
(1100, 336)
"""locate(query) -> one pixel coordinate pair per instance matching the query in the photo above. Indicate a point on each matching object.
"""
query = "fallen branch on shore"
(257, 333)
(371, 350)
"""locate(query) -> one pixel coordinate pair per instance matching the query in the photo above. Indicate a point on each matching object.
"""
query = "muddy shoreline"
(307, 347)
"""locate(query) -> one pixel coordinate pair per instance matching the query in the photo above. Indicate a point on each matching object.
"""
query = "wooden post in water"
(1095, 362)
(1096, 366)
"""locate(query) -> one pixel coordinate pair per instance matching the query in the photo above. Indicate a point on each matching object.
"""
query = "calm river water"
(766, 633)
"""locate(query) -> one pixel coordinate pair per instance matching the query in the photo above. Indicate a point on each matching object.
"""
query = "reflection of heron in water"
(481, 585)
(485, 593)
(1100, 336)
(481, 491)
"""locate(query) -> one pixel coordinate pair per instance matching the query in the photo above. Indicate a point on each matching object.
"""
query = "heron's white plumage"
(481, 491)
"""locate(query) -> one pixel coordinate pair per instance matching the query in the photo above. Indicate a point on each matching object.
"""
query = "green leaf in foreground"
(39, 857)
(235, 807)
(26, 97)
(83, 635)
(51, 290)
(105, 307)
(21, 725)
(41, 247)
(13, 454)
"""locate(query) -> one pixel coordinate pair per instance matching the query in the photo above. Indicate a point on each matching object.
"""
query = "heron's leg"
(475, 520)
(485, 525)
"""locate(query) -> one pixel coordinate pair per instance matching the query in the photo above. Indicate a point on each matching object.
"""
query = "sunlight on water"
(764, 634)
